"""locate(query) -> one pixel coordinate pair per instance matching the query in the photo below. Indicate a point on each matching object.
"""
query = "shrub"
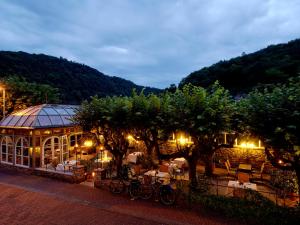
(252, 208)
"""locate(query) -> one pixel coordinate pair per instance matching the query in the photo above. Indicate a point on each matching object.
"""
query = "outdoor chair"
(229, 164)
(243, 177)
(259, 173)
(230, 172)
(164, 168)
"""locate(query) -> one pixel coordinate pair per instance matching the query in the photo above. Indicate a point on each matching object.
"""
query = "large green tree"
(203, 114)
(108, 119)
(148, 121)
(273, 114)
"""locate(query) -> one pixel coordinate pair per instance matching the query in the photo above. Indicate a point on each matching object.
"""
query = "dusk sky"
(150, 42)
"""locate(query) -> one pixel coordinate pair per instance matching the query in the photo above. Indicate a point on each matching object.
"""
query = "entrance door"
(51, 150)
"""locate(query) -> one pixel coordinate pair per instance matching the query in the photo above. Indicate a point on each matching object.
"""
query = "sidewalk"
(28, 199)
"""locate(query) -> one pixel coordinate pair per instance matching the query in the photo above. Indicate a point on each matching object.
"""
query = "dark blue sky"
(151, 42)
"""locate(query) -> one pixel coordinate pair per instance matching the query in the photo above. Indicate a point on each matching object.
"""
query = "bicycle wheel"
(134, 189)
(146, 191)
(167, 195)
(116, 186)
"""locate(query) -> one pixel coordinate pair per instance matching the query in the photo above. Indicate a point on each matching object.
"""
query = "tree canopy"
(21, 94)
(203, 114)
(273, 114)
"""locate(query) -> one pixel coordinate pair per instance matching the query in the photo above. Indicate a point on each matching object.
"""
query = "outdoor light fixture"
(3, 96)
(88, 143)
(130, 137)
(182, 140)
(248, 144)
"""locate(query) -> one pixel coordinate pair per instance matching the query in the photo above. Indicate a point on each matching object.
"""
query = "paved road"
(36, 200)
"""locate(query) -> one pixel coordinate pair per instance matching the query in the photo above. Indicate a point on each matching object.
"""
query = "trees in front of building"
(273, 114)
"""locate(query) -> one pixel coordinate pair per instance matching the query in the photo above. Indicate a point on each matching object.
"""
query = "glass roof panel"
(50, 111)
(33, 112)
(47, 115)
(21, 121)
(42, 113)
(56, 120)
(13, 121)
(6, 121)
(23, 112)
(44, 121)
(71, 111)
(67, 120)
(62, 111)
(29, 121)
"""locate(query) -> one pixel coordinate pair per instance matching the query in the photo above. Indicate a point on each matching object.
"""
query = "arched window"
(22, 152)
(64, 148)
(51, 150)
(7, 149)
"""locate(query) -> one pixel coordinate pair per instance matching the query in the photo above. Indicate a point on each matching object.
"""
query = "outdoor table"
(180, 162)
(164, 176)
(246, 185)
(239, 188)
(69, 164)
(132, 157)
(245, 168)
(173, 167)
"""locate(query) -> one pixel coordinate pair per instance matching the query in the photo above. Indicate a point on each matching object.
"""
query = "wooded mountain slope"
(274, 64)
(74, 81)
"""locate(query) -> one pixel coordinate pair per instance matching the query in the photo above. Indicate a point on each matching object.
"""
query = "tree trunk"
(118, 158)
(209, 164)
(192, 170)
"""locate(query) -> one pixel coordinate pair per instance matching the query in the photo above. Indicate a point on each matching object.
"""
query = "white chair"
(60, 167)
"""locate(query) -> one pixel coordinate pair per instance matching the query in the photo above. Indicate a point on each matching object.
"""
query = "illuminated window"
(22, 152)
(7, 149)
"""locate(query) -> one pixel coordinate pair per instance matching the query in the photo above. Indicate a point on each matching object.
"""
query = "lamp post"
(76, 146)
(3, 95)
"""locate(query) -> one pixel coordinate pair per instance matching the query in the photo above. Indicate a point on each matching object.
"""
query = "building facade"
(36, 136)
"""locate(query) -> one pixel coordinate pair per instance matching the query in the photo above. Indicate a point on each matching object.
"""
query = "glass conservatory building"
(35, 136)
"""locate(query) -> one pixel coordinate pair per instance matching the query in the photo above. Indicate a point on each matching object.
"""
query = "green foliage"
(75, 82)
(89, 165)
(285, 181)
(203, 113)
(274, 64)
(21, 94)
(254, 208)
(273, 114)
(108, 119)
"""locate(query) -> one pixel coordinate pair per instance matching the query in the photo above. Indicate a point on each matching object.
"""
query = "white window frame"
(7, 145)
(23, 144)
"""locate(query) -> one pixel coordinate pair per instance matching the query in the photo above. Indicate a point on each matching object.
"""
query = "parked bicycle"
(119, 183)
(146, 188)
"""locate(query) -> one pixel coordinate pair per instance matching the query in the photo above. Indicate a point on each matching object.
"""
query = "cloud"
(153, 43)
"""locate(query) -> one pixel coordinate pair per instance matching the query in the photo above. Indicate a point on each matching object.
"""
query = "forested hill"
(274, 64)
(75, 81)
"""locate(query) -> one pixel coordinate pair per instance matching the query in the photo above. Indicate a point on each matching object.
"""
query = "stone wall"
(255, 157)
(66, 177)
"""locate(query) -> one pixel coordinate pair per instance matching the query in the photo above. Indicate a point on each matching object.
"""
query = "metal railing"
(217, 186)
